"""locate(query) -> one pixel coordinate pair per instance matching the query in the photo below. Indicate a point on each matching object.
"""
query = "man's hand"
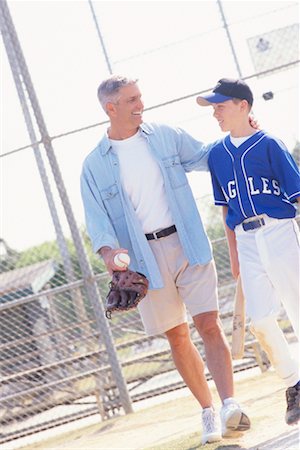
(253, 122)
(108, 255)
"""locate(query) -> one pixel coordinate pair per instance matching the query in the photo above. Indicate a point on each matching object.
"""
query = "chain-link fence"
(60, 359)
(53, 368)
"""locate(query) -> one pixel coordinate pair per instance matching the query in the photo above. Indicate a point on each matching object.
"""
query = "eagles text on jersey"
(260, 176)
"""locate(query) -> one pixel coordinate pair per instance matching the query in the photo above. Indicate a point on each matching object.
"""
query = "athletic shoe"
(292, 415)
(210, 428)
(234, 421)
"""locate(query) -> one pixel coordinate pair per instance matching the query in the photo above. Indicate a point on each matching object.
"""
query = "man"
(137, 199)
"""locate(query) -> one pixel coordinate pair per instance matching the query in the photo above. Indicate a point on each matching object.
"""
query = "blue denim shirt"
(110, 217)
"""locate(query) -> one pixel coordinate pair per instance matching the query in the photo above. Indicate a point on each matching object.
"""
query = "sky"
(175, 49)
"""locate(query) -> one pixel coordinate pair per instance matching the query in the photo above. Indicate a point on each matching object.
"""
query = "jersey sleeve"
(285, 169)
(220, 198)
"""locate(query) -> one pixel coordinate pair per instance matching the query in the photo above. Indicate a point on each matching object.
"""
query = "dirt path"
(262, 395)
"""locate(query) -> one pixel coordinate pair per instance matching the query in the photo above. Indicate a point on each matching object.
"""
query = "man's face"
(128, 109)
(228, 114)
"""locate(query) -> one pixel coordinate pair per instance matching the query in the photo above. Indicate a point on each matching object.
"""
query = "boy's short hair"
(227, 89)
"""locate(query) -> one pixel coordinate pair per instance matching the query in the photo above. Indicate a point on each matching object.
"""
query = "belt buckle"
(258, 223)
(254, 224)
(155, 235)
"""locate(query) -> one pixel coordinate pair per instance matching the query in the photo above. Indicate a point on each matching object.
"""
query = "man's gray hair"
(108, 91)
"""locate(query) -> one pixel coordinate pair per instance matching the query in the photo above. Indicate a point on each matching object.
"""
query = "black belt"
(162, 233)
(253, 225)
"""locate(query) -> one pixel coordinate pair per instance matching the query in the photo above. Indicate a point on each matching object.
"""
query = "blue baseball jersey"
(258, 177)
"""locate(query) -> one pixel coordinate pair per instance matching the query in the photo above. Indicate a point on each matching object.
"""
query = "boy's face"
(229, 114)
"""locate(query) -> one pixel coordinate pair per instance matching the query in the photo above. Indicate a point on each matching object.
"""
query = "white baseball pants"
(269, 260)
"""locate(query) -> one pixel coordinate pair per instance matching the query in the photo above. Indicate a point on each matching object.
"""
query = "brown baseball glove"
(127, 289)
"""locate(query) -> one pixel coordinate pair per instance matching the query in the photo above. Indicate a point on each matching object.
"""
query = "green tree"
(8, 257)
(50, 250)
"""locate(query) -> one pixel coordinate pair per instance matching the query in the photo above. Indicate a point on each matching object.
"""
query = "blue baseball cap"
(227, 89)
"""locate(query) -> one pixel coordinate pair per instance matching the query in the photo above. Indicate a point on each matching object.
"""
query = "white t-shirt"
(237, 141)
(142, 179)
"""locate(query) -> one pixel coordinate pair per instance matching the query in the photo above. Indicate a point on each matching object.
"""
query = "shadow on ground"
(230, 447)
(285, 441)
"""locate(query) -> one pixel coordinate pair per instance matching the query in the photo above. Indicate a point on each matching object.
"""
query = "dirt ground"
(262, 395)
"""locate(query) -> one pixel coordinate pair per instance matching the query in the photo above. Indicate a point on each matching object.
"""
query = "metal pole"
(100, 37)
(38, 157)
(229, 38)
(62, 245)
(89, 283)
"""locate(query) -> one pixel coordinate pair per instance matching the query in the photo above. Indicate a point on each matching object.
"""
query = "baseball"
(122, 260)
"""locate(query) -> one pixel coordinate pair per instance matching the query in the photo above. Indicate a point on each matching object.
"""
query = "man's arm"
(231, 239)
(99, 227)
(194, 153)
(253, 122)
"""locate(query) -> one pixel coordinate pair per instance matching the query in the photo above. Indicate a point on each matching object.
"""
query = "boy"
(256, 181)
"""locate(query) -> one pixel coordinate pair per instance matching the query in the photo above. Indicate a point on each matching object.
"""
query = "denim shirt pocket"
(175, 171)
(112, 202)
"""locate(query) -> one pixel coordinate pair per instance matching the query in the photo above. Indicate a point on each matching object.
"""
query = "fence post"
(91, 287)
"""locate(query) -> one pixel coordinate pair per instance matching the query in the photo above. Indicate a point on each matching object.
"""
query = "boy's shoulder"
(271, 143)
(271, 139)
(261, 136)
(216, 146)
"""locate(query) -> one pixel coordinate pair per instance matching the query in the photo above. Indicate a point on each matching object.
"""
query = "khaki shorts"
(185, 287)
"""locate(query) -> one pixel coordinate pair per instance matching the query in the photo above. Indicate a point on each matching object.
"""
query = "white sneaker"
(234, 421)
(210, 428)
